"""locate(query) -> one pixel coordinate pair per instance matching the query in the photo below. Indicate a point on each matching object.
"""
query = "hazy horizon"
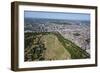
(56, 15)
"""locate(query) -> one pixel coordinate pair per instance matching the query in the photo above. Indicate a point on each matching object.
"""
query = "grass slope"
(75, 51)
(55, 50)
(58, 47)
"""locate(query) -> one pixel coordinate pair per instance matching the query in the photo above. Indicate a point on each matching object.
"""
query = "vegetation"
(75, 51)
(37, 49)
(34, 48)
(76, 34)
(87, 40)
(55, 50)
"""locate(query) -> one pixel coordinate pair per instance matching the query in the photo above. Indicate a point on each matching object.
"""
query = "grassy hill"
(75, 51)
(56, 47)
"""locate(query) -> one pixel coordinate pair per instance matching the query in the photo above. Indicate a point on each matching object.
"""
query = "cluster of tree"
(36, 52)
(76, 34)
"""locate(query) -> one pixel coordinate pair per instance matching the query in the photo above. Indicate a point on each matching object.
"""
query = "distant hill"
(42, 20)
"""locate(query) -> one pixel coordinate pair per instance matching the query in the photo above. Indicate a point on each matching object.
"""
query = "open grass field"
(51, 46)
(55, 50)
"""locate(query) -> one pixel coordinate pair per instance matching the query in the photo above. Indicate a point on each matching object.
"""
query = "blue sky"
(56, 15)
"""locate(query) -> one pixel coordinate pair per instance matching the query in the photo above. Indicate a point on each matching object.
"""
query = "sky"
(57, 15)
